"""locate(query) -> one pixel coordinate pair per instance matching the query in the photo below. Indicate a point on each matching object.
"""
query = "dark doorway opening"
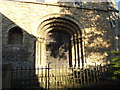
(58, 48)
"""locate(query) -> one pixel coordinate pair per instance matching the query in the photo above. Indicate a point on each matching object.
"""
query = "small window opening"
(15, 36)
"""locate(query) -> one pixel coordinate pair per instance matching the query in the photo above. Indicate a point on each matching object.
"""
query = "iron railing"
(58, 77)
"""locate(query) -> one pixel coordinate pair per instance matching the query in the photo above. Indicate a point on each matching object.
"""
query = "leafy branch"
(115, 65)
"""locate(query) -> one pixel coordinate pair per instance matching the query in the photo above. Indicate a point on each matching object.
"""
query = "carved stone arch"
(58, 20)
(56, 15)
(66, 30)
(61, 24)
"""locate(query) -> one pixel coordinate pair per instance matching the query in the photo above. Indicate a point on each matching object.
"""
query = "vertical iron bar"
(42, 77)
(81, 75)
(25, 78)
(98, 74)
(29, 68)
(46, 77)
(91, 76)
(84, 76)
(73, 76)
(55, 77)
(95, 74)
(16, 77)
(77, 76)
(11, 69)
(21, 73)
(63, 74)
(66, 75)
(59, 75)
(87, 76)
(38, 76)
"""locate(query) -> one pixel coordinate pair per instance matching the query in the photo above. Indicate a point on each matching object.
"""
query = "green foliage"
(117, 72)
(116, 59)
(114, 52)
(115, 65)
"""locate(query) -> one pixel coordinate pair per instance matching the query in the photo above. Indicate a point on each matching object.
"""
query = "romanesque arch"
(62, 33)
(15, 36)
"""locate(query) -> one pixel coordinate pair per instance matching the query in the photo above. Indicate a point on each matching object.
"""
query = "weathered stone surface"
(97, 35)
(16, 54)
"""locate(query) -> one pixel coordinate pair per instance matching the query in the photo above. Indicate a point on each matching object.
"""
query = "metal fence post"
(48, 74)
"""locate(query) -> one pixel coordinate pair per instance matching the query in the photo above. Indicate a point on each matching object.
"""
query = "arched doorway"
(59, 41)
(58, 48)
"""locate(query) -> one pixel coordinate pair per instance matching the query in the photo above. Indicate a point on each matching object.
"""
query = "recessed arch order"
(60, 24)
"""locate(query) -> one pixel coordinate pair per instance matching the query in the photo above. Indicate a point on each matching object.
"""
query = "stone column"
(40, 53)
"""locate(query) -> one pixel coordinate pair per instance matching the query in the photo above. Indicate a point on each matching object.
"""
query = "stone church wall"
(97, 34)
(18, 55)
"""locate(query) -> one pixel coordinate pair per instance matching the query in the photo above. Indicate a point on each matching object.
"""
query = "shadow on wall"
(60, 44)
(98, 32)
(18, 46)
(6, 76)
(97, 39)
(18, 50)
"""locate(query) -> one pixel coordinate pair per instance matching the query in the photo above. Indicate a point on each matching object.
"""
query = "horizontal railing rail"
(56, 77)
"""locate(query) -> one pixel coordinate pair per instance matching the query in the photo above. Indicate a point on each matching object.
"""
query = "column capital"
(39, 39)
